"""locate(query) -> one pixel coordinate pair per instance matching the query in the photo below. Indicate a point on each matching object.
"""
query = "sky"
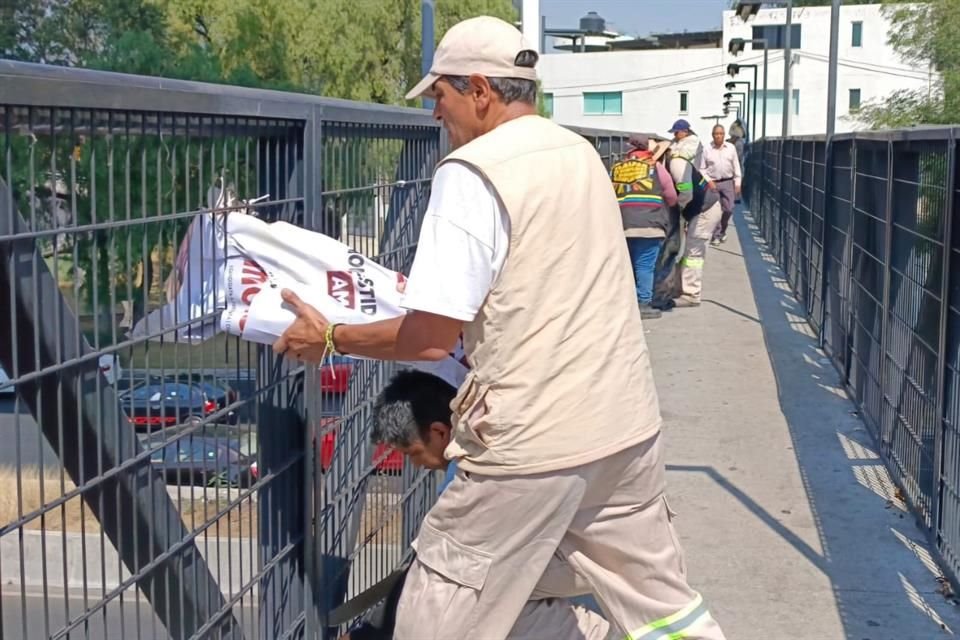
(638, 17)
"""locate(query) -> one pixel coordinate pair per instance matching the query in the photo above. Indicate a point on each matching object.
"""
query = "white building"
(646, 90)
(635, 90)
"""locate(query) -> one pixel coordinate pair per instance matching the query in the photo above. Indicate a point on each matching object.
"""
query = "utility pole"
(531, 23)
(832, 76)
(787, 59)
(426, 41)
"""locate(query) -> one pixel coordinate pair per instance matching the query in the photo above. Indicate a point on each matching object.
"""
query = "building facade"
(647, 89)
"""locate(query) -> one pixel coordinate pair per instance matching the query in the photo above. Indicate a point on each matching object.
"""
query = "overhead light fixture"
(728, 95)
(747, 8)
(736, 45)
(733, 69)
(730, 85)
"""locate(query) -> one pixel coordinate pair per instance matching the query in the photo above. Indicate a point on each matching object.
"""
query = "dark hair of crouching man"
(412, 414)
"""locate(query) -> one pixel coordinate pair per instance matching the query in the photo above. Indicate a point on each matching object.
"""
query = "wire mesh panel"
(871, 217)
(369, 499)
(161, 485)
(770, 212)
(814, 230)
(174, 481)
(947, 526)
(868, 258)
(838, 248)
(913, 315)
(791, 191)
(134, 459)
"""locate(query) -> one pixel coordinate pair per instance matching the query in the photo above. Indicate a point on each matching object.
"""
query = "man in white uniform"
(556, 494)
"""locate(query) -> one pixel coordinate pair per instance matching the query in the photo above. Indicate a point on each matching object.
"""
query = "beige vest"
(561, 372)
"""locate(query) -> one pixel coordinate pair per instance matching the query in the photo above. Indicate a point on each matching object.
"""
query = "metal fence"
(864, 230)
(155, 488)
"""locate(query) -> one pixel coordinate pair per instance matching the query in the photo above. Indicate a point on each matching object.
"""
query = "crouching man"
(412, 415)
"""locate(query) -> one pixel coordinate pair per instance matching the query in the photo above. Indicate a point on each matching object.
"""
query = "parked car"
(203, 461)
(216, 389)
(162, 404)
(242, 438)
(131, 379)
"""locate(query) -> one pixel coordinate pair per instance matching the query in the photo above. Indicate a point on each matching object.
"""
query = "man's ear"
(441, 431)
(481, 90)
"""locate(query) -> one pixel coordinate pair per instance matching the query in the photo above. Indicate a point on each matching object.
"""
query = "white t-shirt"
(463, 244)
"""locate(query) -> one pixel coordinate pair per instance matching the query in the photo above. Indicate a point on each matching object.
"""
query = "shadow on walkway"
(791, 523)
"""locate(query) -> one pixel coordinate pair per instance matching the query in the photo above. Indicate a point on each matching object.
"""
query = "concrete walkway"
(790, 522)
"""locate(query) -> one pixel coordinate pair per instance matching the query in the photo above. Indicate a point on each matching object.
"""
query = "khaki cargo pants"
(494, 552)
(699, 233)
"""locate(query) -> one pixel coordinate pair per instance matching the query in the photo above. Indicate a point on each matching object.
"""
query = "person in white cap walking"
(556, 430)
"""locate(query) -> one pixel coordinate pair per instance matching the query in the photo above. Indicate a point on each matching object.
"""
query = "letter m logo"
(340, 287)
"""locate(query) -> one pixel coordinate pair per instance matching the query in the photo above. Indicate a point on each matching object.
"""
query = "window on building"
(603, 103)
(548, 104)
(775, 103)
(854, 100)
(856, 35)
(774, 34)
(683, 102)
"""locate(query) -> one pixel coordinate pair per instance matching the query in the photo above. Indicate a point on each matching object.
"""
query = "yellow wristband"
(328, 345)
(328, 339)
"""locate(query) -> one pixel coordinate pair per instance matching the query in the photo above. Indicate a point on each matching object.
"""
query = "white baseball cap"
(484, 45)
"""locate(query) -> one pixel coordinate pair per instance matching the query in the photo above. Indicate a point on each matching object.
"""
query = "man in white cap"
(556, 430)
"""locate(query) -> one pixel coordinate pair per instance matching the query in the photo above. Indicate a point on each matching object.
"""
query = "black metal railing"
(111, 525)
(863, 229)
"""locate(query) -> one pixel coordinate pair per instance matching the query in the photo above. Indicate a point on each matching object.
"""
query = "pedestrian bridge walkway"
(792, 526)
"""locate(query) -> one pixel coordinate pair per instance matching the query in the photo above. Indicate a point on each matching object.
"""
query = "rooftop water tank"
(593, 23)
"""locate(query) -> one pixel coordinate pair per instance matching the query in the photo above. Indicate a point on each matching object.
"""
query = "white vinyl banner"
(231, 268)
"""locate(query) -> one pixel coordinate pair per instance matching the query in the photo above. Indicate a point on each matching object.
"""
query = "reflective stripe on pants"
(682, 624)
(699, 232)
(497, 557)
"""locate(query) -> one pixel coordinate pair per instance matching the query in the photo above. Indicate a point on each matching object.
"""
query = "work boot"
(686, 302)
(647, 312)
(663, 305)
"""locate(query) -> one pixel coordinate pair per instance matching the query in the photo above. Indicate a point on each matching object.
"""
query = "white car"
(109, 367)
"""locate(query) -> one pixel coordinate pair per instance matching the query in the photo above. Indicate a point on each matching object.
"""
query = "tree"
(365, 50)
(821, 3)
(925, 34)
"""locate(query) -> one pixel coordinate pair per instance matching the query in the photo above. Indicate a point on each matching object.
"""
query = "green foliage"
(827, 3)
(925, 34)
(365, 50)
(541, 102)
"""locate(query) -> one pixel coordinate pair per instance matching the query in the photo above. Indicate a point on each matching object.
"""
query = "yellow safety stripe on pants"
(674, 626)
(693, 263)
